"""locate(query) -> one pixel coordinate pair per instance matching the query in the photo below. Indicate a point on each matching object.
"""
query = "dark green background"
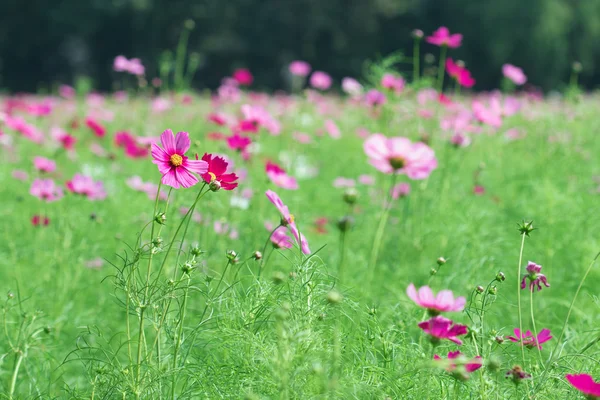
(43, 42)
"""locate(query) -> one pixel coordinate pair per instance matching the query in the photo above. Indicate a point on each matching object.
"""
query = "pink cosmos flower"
(534, 276)
(66, 91)
(443, 302)
(237, 142)
(300, 68)
(216, 175)
(303, 138)
(399, 156)
(486, 115)
(332, 129)
(67, 141)
(392, 82)
(287, 220)
(515, 74)
(399, 190)
(365, 179)
(243, 76)
(530, 341)
(43, 164)
(320, 80)
(374, 98)
(160, 104)
(442, 37)
(459, 73)
(351, 86)
(478, 190)
(46, 189)
(87, 187)
(585, 384)
(279, 238)
(258, 116)
(133, 66)
(95, 126)
(439, 327)
(458, 359)
(459, 139)
(176, 169)
(279, 176)
(20, 175)
(341, 182)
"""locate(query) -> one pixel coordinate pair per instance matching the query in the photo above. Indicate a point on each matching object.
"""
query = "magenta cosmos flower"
(456, 361)
(279, 238)
(442, 37)
(443, 302)
(86, 187)
(535, 277)
(243, 76)
(320, 80)
(287, 220)
(392, 82)
(459, 73)
(515, 74)
(43, 164)
(442, 328)
(176, 169)
(216, 174)
(398, 155)
(530, 341)
(46, 189)
(299, 68)
(585, 384)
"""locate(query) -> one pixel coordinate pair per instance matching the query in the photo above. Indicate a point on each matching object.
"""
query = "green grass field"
(288, 326)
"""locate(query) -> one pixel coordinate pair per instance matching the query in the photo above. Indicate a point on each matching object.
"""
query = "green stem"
(13, 380)
(263, 261)
(535, 332)
(416, 59)
(440, 78)
(180, 57)
(179, 336)
(519, 294)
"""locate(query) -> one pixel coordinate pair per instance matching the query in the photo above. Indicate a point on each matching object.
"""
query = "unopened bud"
(257, 255)
(231, 256)
(441, 261)
(160, 218)
(334, 297)
(500, 277)
(350, 196)
(187, 267)
(577, 67)
(157, 241)
(345, 223)
(214, 185)
(433, 271)
(278, 277)
(526, 228)
(493, 290)
(47, 330)
(479, 289)
(499, 339)
(195, 251)
(417, 34)
(189, 24)
(10, 295)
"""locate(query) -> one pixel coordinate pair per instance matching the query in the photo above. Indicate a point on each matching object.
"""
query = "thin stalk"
(179, 336)
(535, 332)
(13, 380)
(519, 293)
(263, 261)
(416, 59)
(440, 78)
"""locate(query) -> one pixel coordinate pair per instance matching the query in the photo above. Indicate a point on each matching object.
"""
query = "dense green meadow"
(329, 324)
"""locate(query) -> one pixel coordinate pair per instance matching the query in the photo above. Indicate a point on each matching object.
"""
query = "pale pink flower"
(393, 83)
(366, 179)
(46, 189)
(399, 190)
(176, 169)
(486, 115)
(351, 86)
(439, 327)
(515, 74)
(443, 302)
(66, 91)
(20, 175)
(442, 37)
(160, 104)
(374, 98)
(299, 68)
(320, 80)
(43, 164)
(459, 139)
(279, 238)
(332, 129)
(301, 137)
(87, 187)
(341, 182)
(399, 155)
(288, 220)
(282, 179)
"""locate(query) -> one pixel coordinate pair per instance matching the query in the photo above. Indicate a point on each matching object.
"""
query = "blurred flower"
(401, 189)
(399, 156)
(341, 182)
(459, 139)
(392, 82)
(95, 126)
(243, 76)
(456, 362)
(528, 340)
(585, 384)
(366, 179)
(87, 187)
(43, 164)
(515, 74)
(442, 37)
(175, 167)
(517, 374)
(279, 176)
(443, 302)
(459, 73)
(288, 220)
(39, 220)
(439, 327)
(351, 86)
(299, 68)
(20, 175)
(332, 129)
(67, 141)
(46, 189)
(320, 80)
(534, 276)
(374, 98)
(66, 91)
(237, 142)
(279, 238)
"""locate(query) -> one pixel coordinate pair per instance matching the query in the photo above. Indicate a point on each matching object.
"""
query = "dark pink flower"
(456, 362)
(320, 80)
(398, 155)
(176, 169)
(515, 74)
(39, 220)
(442, 37)
(237, 142)
(535, 277)
(585, 384)
(95, 126)
(66, 91)
(288, 220)
(530, 341)
(443, 328)
(216, 174)
(478, 190)
(443, 302)
(67, 141)
(87, 187)
(243, 76)
(459, 73)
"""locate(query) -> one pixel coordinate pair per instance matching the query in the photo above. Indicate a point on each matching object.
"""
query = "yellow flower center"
(176, 160)
(291, 218)
(213, 177)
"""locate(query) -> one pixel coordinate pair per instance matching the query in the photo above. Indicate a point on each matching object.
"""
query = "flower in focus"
(585, 384)
(515, 74)
(299, 68)
(287, 220)
(43, 164)
(176, 169)
(87, 187)
(442, 37)
(459, 73)
(320, 80)
(46, 189)
(535, 277)
(351, 86)
(399, 156)
(530, 341)
(443, 302)
(243, 76)
(439, 327)
(392, 82)
(216, 175)
(458, 365)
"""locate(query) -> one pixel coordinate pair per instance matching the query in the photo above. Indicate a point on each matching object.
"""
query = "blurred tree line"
(43, 42)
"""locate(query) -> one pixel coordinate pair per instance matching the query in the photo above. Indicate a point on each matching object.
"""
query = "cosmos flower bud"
(350, 196)
(278, 277)
(160, 218)
(493, 290)
(345, 223)
(500, 277)
(577, 67)
(257, 255)
(157, 241)
(417, 34)
(189, 24)
(214, 186)
(479, 289)
(441, 261)
(187, 267)
(334, 297)
(10, 295)
(526, 228)
(517, 374)
(195, 251)
(231, 256)
(433, 271)
(499, 339)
